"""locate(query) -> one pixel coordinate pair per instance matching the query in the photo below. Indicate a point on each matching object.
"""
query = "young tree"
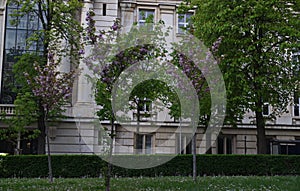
(26, 107)
(60, 32)
(259, 38)
(52, 88)
(16, 131)
(109, 57)
(114, 64)
(200, 66)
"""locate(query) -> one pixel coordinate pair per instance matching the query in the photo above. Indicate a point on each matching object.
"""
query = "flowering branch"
(51, 86)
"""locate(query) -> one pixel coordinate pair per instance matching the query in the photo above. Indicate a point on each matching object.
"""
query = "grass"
(219, 183)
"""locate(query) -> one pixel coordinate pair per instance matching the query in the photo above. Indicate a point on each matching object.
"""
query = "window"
(143, 111)
(104, 9)
(143, 143)
(144, 106)
(145, 16)
(266, 111)
(184, 22)
(287, 147)
(27, 146)
(296, 61)
(296, 105)
(183, 143)
(15, 45)
(296, 57)
(225, 144)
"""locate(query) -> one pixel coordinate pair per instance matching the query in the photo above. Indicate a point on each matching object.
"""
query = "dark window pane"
(220, 145)
(266, 109)
(104, 9)
(296, 110)
(148, 144)
(139, 142)
(188, 149)
(228, 145)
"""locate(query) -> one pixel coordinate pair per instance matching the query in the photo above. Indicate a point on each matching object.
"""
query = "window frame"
(146, 106)
(147, 10)
(225, 143)
(142, 148)
(185, 23)
(182, 147)
(296, 105)
(266, 105)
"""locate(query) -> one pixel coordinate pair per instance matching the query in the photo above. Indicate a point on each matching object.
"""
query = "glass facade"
(16, 44)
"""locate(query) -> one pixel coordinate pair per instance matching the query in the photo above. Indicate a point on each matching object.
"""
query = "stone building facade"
(78, 133)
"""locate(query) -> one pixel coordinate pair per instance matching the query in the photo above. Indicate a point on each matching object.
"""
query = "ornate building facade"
(78, 134)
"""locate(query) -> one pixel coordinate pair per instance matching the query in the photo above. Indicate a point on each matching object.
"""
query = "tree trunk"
(208, 141)
(49, 157)
(18, 148)
(45, 115)
(138, 116)
(109, 165)
(42, 136)
(194, 157)
(261, 134)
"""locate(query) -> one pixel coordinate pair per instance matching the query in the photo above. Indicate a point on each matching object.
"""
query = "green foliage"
(60, 31)
(103, 98)
(91, 165)
(25, 64)
(116, 57)
(25, 115)
(258, 39)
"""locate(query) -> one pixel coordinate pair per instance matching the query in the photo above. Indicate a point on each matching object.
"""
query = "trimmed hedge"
(91, 166)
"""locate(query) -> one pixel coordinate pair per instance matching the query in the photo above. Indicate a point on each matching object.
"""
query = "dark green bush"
(181, 165)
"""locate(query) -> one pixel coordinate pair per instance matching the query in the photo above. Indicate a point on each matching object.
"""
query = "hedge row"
(92, 166)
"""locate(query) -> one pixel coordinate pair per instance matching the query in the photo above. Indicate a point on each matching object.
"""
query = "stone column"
(128, 14)
(82, 90)
(168, 15)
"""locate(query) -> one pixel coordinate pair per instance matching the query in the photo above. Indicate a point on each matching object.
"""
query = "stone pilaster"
(128, 14)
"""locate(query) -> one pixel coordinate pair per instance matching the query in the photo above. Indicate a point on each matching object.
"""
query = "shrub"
(91, 165)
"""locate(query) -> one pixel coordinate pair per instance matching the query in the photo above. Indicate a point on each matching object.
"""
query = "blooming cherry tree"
(52, 89)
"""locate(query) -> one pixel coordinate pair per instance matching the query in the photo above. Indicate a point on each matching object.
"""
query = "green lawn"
(159, 183)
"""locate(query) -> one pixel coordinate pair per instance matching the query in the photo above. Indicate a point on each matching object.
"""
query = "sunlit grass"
(251, 183)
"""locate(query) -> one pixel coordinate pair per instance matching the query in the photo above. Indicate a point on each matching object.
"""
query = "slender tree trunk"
(194, 157)
(49, 157)
(109, 165)
(138, 115)
(42, 136)
(18, 150)
(208, 141)
(261, 134)
(48, 149)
